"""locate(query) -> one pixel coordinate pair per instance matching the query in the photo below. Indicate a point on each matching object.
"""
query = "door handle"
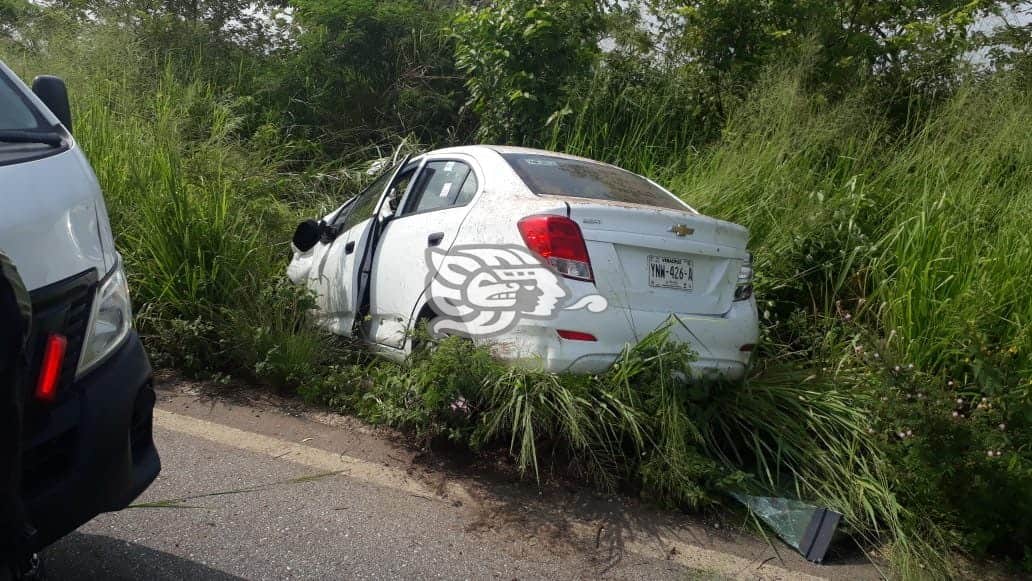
(349, 247)
(434, 239)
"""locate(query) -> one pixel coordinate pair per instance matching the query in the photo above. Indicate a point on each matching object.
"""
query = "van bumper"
(94, 451)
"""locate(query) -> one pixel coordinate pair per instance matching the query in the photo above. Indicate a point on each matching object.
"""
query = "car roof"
(476, 150)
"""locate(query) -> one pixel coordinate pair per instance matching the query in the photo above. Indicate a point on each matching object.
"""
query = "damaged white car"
(554, 261)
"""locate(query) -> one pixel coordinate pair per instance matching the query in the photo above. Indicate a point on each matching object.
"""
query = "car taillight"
(576, 335)
(50, 370)
(743, 288)
(559, 241)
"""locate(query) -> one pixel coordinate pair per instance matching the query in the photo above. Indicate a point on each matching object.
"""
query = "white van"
(87, 444)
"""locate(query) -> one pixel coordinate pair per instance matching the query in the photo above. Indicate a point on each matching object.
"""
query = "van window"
(15, 113)
(549, 175)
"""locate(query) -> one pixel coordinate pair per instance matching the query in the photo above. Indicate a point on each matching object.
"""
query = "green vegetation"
(885, 178)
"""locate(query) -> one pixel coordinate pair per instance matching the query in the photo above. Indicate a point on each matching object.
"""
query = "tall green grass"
(928, 227)
(892, 264)
(198, 209)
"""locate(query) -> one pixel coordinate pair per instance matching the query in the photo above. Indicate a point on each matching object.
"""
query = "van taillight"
(559, 241)
(50, 370)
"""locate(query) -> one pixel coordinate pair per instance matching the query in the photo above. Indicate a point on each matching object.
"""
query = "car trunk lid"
(668, 261)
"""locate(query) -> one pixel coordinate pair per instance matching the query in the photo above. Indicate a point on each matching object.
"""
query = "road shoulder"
(609, 527)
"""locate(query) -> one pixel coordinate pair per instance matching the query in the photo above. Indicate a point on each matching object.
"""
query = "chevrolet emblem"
(682, 230)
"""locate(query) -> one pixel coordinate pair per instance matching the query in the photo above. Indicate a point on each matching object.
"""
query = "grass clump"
(646, 426)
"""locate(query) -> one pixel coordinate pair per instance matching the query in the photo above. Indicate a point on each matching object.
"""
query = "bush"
(520, 58)
(365, 71)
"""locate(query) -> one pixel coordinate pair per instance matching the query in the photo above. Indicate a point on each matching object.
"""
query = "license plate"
(665, 272)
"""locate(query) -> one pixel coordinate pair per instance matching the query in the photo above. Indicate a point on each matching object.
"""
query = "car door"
(429, 216)
(334, 276)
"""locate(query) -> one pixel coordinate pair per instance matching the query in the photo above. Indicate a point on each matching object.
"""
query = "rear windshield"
(15, 113)
(548, 175)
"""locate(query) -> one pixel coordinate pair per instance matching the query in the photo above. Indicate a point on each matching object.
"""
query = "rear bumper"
(717, 340)
(93, 451)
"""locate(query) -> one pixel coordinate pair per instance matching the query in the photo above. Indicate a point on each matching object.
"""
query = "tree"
(521, 58)
(11, 12)
(916, 44)
(1009, 45)
(219, 25)
(364, 70)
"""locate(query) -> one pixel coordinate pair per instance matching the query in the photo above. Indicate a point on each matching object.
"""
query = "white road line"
(317, 458)
(653, 546)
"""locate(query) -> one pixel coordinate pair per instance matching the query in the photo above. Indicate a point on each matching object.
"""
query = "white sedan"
(553, 260)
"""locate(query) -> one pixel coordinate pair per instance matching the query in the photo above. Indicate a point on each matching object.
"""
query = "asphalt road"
(256, 489)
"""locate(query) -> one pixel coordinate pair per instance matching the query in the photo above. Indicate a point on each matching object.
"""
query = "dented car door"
(336, 260)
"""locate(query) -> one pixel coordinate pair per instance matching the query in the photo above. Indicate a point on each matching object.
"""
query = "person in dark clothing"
(15, 317)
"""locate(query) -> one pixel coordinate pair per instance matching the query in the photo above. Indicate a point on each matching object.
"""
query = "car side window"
(441, 184)
(469, 189)
(399, 186)
(362, 208)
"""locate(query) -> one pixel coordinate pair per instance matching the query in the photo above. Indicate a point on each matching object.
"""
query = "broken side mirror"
(807, 528)
(306, 235)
